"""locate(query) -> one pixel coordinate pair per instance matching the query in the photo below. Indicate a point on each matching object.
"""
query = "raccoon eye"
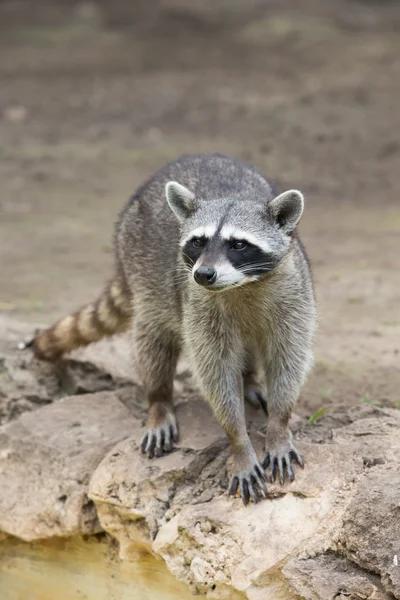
(198, 242)
(239, 245)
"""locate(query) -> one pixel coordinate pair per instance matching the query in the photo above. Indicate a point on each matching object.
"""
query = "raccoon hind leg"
(254, 392)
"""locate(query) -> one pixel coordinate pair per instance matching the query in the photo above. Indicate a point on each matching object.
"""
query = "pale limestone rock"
(370, 535)
(333, 533)
(129, 487)
(46, 460)
(332, 576)
(219, 547)
(246, 544)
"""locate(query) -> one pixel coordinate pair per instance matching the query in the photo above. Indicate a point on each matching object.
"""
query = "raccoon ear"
(287, 209)
(180, 199)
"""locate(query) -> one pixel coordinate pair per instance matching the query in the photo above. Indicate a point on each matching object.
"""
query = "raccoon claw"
(278, 462)
(257, 398)
(248, 483)
(160, 440)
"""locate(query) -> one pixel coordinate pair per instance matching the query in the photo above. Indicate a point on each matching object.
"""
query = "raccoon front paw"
(162, 431)
(278, 458)
(248, 479)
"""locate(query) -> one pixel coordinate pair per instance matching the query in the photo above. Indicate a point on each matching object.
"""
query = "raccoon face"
(230, 242)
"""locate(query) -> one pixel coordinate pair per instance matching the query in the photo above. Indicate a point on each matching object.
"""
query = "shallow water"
(82, 568)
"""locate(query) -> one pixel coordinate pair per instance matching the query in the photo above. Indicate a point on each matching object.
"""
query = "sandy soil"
(93, 100)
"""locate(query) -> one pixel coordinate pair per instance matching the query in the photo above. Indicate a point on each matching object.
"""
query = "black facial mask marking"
(190, 253)
(251, 260)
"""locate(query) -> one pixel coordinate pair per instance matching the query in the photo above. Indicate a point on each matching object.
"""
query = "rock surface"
(46, 460)
(332, 576)
(73, 466)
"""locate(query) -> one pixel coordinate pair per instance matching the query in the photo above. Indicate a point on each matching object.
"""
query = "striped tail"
(110, 314)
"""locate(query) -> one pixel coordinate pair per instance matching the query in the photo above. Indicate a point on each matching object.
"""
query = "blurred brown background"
(96, 95)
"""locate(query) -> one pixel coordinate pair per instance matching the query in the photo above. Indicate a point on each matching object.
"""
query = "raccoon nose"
(205, 275)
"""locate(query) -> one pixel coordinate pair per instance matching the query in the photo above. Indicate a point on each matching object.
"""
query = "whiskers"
(190, 260)
(181, 272)
(263, 267)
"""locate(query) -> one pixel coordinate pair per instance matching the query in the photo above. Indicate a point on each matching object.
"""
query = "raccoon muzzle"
(109, 314)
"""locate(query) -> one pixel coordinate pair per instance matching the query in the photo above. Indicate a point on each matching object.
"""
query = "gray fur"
(180, 199)
(265, 323)
(287, 208)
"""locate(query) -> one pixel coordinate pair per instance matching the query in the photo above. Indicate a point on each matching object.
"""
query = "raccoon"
(208, 260)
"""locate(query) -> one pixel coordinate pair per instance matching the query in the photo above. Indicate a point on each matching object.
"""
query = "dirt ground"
(94, 97)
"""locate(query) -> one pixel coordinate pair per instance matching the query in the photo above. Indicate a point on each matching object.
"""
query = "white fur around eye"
(208, 231)
(229, 232)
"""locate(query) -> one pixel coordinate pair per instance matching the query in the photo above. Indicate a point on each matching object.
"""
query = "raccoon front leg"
(221, 380)
(227, 403)
(285, 377)
(157, 355)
